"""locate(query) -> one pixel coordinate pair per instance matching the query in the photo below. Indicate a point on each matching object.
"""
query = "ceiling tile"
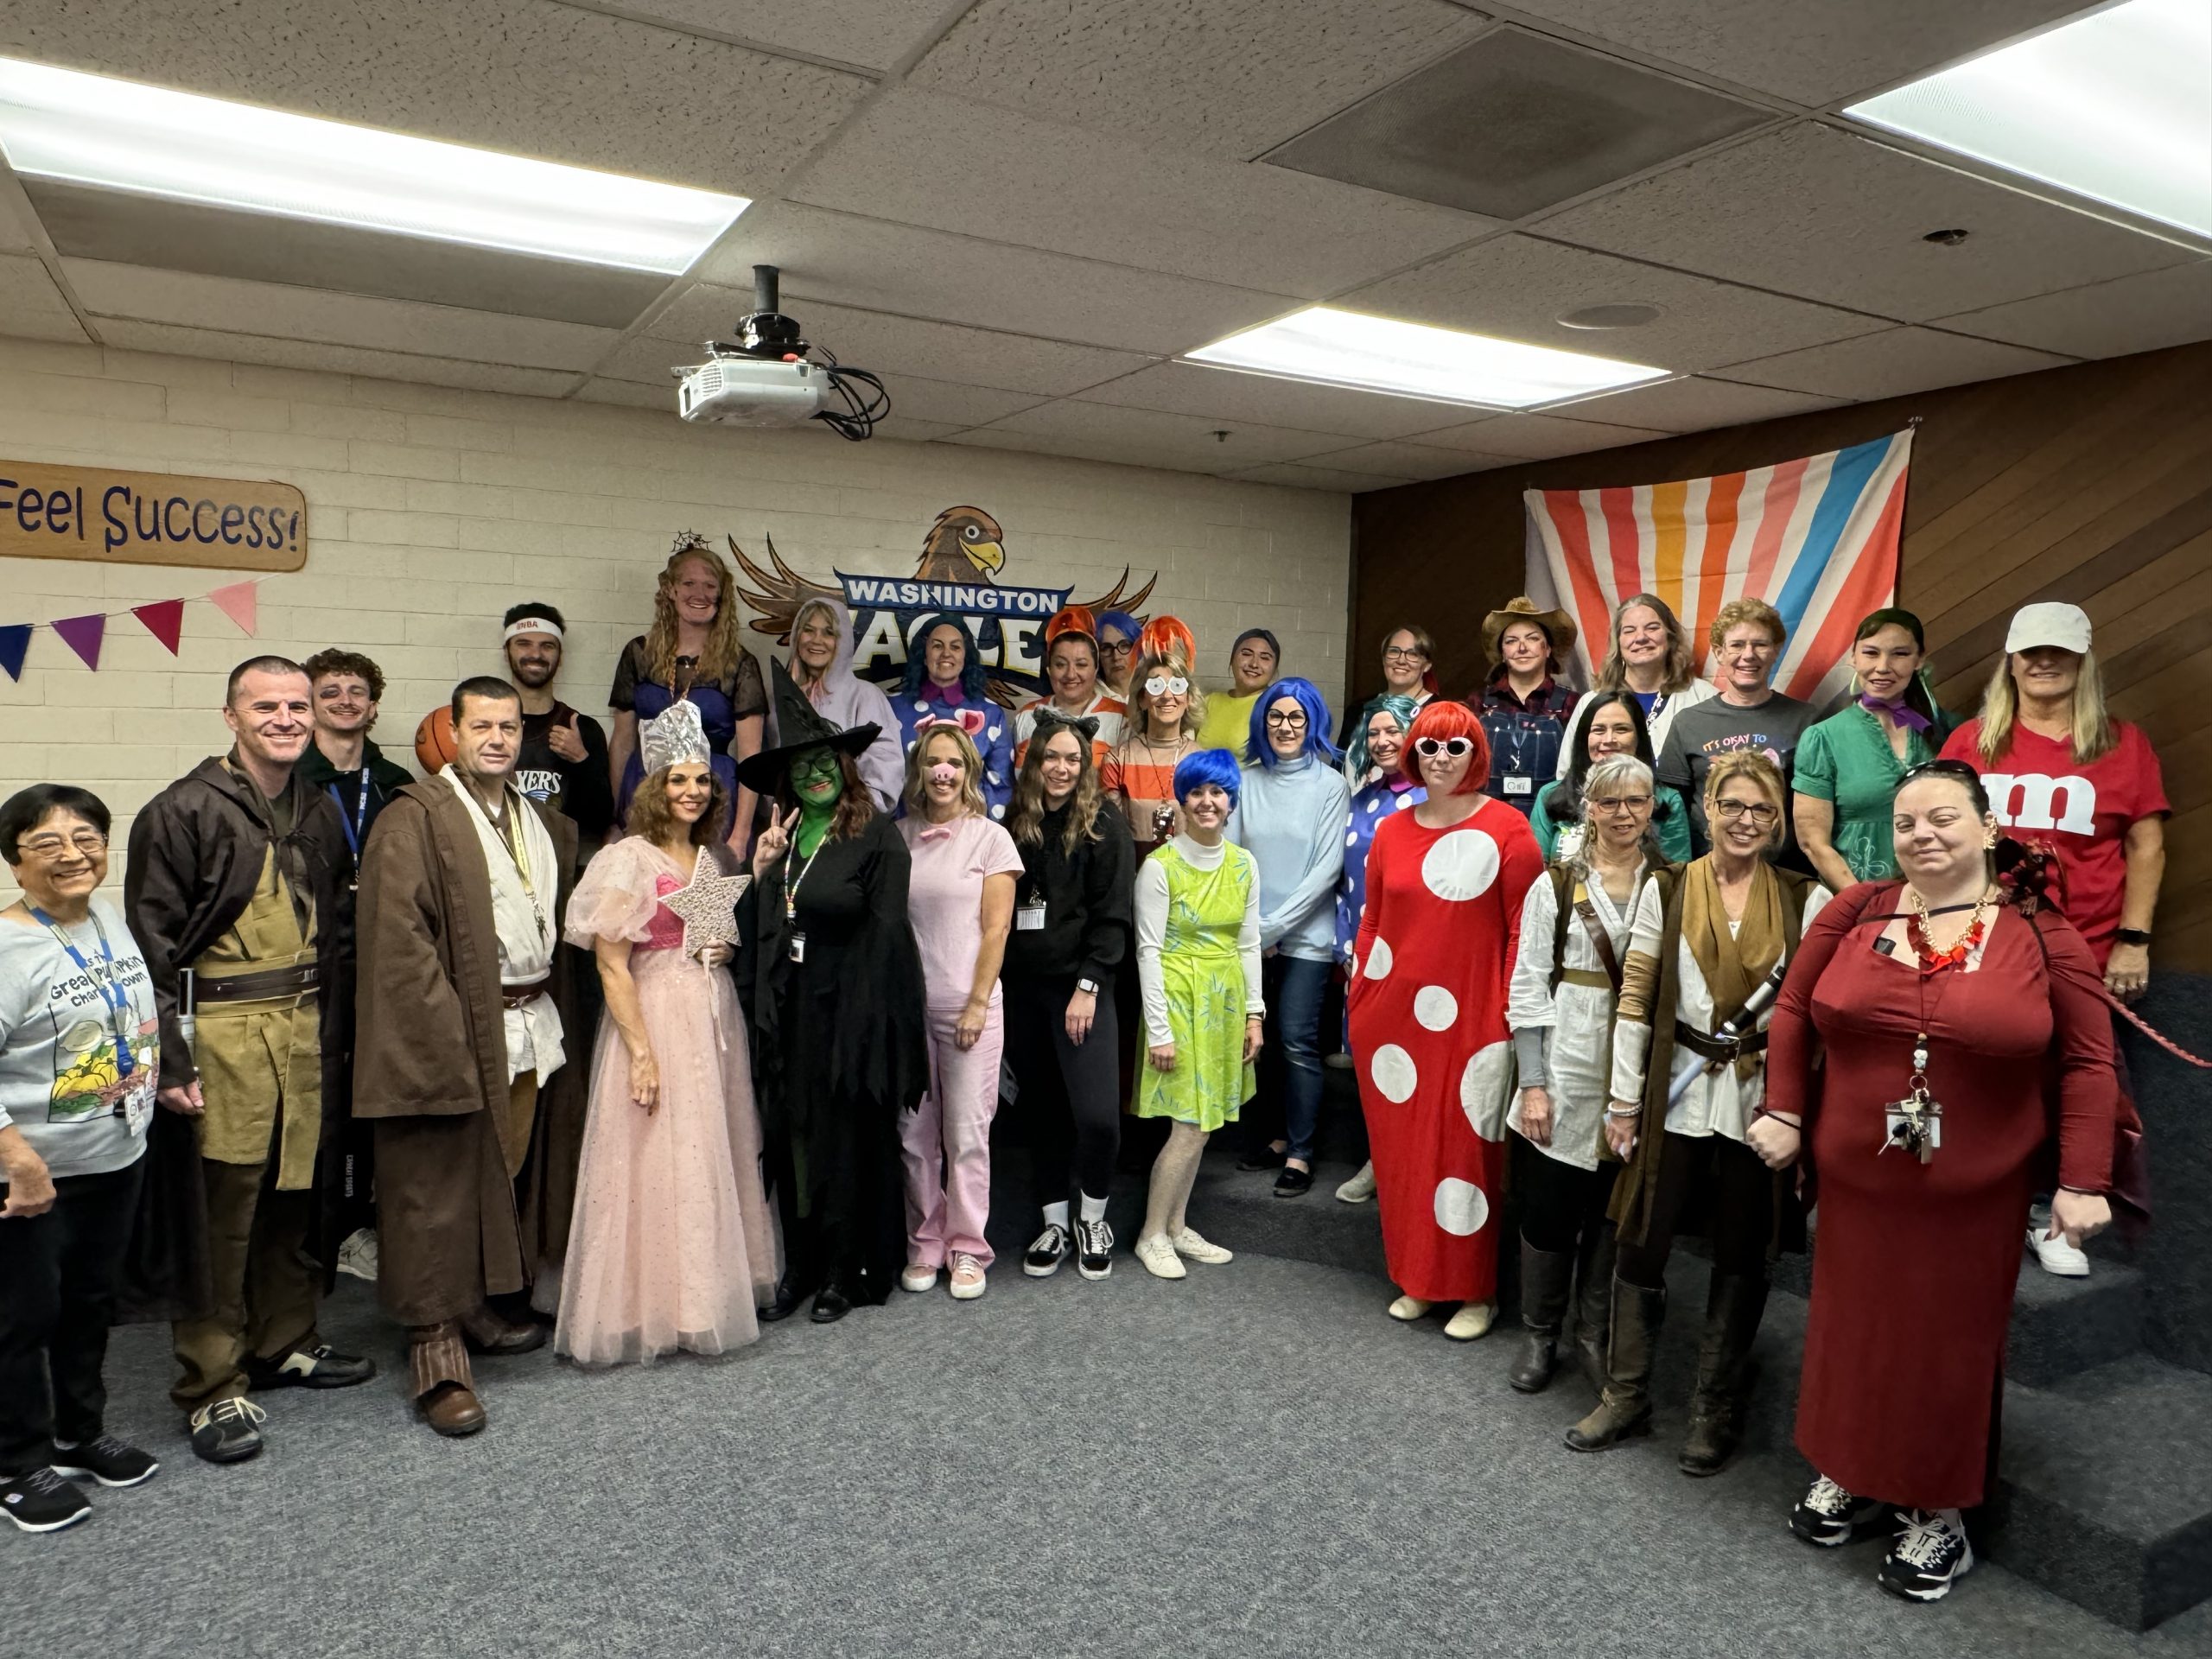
(959, 166)
(1891, 364)
(873, 33)
(634, 394)
(1144, 437)
(553, 81)
(1518, 286)
(17, 226)
(1696, 405)
(1815, 52)
(941, 403)
(334, 360)
(1403, 460)
(31, 307)
(1297, 475)
(878, 265)
(912, 429)
(888, 345)
(1535, 438)
(2129, 314)
(1222, 80)
(307, 314)
(1830, 216)
(1225, 396)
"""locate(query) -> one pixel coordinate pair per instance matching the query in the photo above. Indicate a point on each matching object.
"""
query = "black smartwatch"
(2131, 936)
(1089, 985)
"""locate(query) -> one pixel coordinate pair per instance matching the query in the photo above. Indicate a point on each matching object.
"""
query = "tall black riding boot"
(1545, 1279)
(1733, 1311)
(1624, 1408)
(1593, 1316)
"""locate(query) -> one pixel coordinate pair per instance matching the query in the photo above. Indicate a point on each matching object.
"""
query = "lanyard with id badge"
(136, 1104)
(1914, 1124)
(1030, 918)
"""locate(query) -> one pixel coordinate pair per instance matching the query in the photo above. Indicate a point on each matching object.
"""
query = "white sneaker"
(1409, 1308)
(1187, 1243)
(918, 1279)
(966, 1279)
(2056, 1255)
(358, 1255)
(1361, 1187)
(1157, 1254)
(1472, 1319)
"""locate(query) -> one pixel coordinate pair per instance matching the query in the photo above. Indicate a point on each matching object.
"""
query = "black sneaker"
(225, 1431)
(41, 1501)
(1928, 1553)
(1828, 1515)
(1045, 1253)
(1294, 1183)
(1093, 1248)
(108, 1460)
(310, 1368)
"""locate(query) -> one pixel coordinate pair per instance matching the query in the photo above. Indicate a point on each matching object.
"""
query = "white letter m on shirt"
(2024, 801)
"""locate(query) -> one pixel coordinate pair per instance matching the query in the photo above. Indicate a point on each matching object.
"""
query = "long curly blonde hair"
(725, 648)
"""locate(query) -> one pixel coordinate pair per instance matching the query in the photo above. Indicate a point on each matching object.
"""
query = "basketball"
(434, 740)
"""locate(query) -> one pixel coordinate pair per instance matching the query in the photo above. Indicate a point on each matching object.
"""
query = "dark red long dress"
(1914, 1265)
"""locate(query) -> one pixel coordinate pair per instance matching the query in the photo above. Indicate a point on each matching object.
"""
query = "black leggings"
(1561, 1204)
(1736, 1194)
(1070, 1102)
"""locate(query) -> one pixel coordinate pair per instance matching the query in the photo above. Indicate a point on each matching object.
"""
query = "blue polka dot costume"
(1371, 802)
(989, 727)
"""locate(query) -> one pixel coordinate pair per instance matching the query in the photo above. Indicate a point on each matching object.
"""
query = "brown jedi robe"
(430, 1057)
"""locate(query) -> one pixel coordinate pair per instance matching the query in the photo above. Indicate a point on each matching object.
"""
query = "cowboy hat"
(1559, 627)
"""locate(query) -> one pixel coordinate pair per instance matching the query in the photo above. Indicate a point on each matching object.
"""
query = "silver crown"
(676, 737)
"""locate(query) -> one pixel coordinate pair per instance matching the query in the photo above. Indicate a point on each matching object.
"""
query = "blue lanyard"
(111, 994)
(353, 825)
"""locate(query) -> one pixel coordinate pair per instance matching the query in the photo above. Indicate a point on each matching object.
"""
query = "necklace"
(1917, 935)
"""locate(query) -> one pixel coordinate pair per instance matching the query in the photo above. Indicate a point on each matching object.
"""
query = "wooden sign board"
(49, 511)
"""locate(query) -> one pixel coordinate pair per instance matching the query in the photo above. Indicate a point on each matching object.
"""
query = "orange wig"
(1442, 719)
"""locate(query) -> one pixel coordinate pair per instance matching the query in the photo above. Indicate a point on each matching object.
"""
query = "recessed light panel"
(2116, 106)
(117, 134)
(1348, 348)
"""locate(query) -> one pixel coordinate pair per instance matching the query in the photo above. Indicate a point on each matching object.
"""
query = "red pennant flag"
(83, 635)
(237, 602)
(164, 619)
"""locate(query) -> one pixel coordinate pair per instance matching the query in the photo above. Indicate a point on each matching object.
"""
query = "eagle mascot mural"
(963, 548)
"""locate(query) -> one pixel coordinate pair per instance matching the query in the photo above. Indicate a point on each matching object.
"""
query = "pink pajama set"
(947, 1140)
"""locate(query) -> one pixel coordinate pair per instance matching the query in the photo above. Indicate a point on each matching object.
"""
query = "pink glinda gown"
(673, 1241)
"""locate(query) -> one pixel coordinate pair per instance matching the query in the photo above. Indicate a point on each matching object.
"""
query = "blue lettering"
(253, 527)
(232, 518)
(169, 527)
(116, 533)
(28, 506)
(196, 535)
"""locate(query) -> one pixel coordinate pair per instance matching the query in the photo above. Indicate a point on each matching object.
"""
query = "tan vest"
(261, 1062)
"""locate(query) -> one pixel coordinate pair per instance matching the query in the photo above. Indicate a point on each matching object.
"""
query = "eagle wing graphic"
(778, 592)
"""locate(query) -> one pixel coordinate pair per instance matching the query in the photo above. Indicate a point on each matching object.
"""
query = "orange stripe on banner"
(1668, 536)
(1871, 583)
(1623, 539)
(1724, 493)
(1774, 520)
(1567, 510)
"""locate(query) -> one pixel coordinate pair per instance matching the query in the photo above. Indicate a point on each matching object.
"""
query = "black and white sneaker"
(1928, 1553)
(227, 1431)
(1093, 1248)
(322, 1367)
(1828, 1515)
(108, 1460)
(41, 1501)
(1045, 1253)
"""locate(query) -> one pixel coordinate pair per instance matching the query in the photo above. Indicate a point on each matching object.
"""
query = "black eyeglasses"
(1287, 722)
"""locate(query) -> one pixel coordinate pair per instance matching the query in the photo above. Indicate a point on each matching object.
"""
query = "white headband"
(532, 625)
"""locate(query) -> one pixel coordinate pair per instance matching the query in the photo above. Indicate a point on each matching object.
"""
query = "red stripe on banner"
(1624, 540)
(1869, 584)
(1724, 493)
(1571, 523)
(1774, 523)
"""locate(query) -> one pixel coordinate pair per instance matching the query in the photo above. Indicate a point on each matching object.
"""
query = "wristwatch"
(1090, 985)
(2131, 936)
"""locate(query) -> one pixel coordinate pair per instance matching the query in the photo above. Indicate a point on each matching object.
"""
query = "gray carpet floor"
(1253, 1461)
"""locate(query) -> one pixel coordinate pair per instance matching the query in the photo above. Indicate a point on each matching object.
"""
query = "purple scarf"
(1897, 710)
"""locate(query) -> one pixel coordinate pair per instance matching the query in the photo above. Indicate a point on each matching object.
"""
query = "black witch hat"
(800, 727)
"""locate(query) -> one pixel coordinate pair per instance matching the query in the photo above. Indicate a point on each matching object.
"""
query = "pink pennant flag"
(164, 619)
(237, 602)
(83, 635)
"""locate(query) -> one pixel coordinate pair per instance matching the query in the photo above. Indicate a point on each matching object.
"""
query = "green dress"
(1204, 977)
(1847, 761)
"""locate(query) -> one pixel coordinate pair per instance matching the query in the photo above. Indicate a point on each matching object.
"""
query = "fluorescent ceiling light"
(89, 129)
(1347, 348)
(2116, 106)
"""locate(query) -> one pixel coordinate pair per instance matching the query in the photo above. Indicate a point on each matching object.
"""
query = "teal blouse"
(1847, 761)
(1670, 818)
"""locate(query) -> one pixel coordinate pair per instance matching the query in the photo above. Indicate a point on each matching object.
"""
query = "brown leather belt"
(1720, 1053)
(299, 980)
(514, 996)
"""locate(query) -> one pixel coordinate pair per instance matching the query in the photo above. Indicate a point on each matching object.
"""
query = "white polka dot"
(992, 734)
(1405, 801)
(1486, 1089)
(1461, 1209)
(1378, 960)
(998, 811)
(921, 705)
(1392, 1072)
(1461, 864)
(1352, 838)
(1435, 1008)
(1374, 806)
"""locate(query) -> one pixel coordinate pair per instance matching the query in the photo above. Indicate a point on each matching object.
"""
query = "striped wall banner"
(1816, 539)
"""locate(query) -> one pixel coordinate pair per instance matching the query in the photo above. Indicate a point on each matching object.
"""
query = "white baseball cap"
(2066, 627)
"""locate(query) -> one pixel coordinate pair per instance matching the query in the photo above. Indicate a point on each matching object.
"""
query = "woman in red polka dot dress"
(1444, 886)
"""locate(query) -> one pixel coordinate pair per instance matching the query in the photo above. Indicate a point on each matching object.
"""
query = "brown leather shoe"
(452, 1410)
(486, 1332)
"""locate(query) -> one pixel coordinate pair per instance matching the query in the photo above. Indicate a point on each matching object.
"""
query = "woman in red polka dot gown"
(1445, 886)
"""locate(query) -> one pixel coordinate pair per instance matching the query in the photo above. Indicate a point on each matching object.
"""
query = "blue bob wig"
(1217, 766)
(1260, 753)
(973, 675)
(1122, 623)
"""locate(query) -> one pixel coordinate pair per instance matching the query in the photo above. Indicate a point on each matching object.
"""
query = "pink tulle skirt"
(673, 1242)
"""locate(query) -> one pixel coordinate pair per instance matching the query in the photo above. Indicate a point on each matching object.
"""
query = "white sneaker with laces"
(358, 1255)
(1188, 1243)
(1928, 1555)
(1157, 1253)
(966, 1279)
(2054, 1254)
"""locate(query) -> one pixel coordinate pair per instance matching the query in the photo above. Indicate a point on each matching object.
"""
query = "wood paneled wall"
(2091, 484)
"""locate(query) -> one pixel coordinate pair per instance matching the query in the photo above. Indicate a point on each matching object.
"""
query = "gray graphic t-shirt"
(62, 1079)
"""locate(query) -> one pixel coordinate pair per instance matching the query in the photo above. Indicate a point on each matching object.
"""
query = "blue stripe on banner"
(1847, 483)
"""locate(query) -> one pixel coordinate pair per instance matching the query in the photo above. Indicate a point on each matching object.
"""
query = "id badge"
(1520, 783)
(138, 1111)
(795, 948)
(1030, 918)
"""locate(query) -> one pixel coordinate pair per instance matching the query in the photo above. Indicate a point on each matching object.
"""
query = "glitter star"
(709, 905)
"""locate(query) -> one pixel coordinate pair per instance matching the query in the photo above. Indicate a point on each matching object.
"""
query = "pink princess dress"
(673, 1243)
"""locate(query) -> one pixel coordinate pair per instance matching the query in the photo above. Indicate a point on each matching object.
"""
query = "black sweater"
(1089, 902)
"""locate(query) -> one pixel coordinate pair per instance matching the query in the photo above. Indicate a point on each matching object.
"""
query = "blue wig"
(1306, 695)
(972, 675)
(1122, 623)
(1398, 709)
(1208, 766)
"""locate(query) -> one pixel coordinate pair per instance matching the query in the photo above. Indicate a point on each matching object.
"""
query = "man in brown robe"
(463, 885)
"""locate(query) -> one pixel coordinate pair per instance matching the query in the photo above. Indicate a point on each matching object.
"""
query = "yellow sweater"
(1228, 724)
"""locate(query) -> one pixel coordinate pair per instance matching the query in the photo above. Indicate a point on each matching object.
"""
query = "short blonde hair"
(1737, 612)
(972, 804)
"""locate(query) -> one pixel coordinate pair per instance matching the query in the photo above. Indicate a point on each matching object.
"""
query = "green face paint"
(817, 779)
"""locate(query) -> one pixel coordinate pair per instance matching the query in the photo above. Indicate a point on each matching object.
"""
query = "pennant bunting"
(164, 619)
(15, 640)
(83, 634)
(236, 601)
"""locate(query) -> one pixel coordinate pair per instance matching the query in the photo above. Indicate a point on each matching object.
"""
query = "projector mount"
(770, 376)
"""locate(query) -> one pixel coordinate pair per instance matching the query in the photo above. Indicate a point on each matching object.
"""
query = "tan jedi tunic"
(261, 1061)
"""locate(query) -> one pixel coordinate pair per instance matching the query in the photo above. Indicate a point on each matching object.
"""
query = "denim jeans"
(1290, 1064)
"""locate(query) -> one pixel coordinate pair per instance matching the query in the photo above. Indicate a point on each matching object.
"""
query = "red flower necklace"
(1932, 961)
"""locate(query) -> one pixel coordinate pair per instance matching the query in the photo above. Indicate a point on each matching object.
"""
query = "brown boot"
(445, 1388)
(1732, 1309)
(1545, 1276)
(1593, 1313)
(487, 1332)
(452, 1410)
(1624, 1408)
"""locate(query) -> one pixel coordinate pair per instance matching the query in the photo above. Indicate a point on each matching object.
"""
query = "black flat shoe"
(1265, 1158)
(786, 1305)
(1294, 1183)
(830, 1304)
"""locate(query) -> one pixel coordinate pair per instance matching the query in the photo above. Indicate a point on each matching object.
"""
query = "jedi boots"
(1594, 1296)
(1547, 1279)
(1624, 1405)
(1733, 1310)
